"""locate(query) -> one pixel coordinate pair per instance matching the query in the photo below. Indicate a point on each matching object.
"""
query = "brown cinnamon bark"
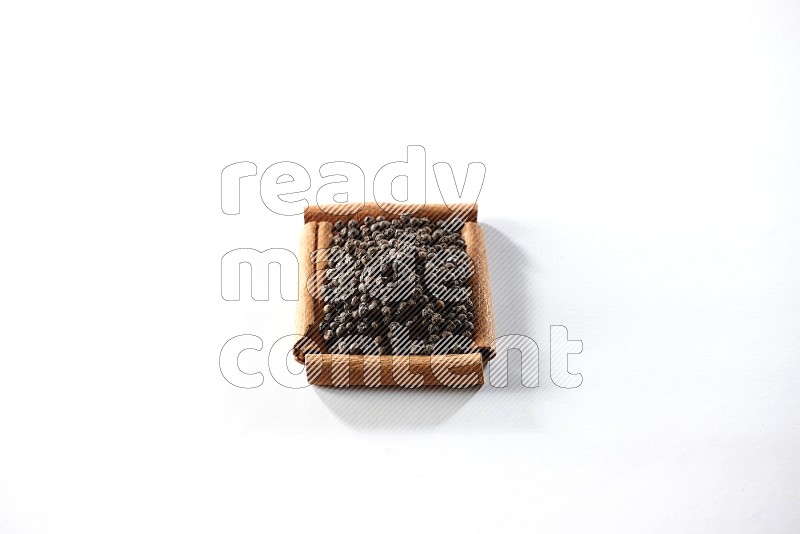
(334, 212)
(342, 370)
(481, 292)
(305, 303)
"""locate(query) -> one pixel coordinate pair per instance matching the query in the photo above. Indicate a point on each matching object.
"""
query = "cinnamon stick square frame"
(342, 370)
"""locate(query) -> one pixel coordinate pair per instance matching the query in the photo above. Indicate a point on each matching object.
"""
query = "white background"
(642, 188)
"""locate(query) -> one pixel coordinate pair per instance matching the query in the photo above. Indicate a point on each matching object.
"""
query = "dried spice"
(397, 286)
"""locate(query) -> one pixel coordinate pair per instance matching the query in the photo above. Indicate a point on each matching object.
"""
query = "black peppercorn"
(386, 266)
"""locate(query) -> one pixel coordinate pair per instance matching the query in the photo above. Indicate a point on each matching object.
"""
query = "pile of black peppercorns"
(397, 286)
